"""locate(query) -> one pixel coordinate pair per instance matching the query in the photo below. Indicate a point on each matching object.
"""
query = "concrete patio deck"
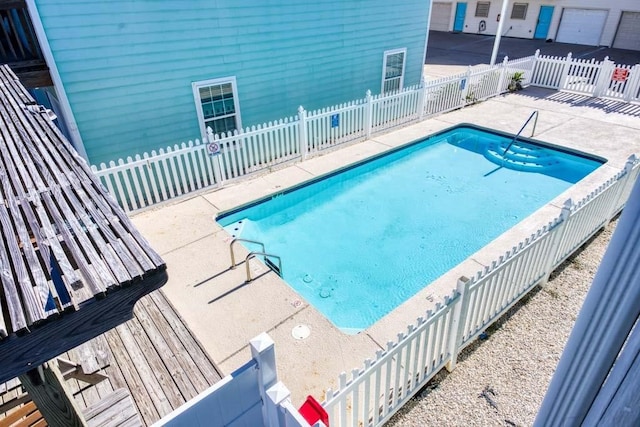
(224, 313)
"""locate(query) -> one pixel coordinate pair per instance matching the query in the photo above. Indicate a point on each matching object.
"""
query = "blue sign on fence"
(335, 120)
(463, 83)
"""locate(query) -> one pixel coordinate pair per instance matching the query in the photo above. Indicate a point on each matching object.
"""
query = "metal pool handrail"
(238, 239)
(266, 255)
(535, 113)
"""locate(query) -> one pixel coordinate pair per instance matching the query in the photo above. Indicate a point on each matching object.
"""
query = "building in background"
(600, 23)
(131, 77)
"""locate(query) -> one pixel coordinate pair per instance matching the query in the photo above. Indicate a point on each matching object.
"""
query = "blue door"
(461, 10)
(544, 21)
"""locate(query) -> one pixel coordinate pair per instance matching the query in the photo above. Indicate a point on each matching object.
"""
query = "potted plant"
(516, 81)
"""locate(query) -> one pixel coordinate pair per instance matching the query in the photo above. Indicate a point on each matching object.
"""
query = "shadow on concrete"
(578, 100)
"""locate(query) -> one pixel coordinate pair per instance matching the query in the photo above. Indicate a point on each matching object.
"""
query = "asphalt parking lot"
(449, 53)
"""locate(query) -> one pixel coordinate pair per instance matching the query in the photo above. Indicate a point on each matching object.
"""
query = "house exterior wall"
(526, 28)
(127, 67)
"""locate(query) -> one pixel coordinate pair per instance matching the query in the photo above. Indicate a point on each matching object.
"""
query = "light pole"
(496, 43)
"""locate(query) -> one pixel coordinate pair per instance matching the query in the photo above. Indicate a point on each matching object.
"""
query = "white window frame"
(211, 82)
(387, 53)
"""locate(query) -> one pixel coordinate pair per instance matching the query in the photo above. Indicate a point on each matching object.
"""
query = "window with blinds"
(482, 9)
(519, 11)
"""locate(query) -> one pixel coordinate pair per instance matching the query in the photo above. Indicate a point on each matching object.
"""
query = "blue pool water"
(357, 243)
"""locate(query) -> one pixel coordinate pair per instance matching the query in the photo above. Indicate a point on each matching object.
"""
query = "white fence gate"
(373, 393)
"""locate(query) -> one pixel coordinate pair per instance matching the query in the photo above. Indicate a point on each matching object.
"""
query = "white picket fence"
(373, 393)
(154, 177)
(147, 179)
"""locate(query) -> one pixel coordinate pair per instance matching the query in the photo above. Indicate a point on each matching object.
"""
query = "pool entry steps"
(267, 257)
(520, 156)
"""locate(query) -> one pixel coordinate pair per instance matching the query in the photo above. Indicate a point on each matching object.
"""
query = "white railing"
(158, 176)
(251, 396)
(373, 393)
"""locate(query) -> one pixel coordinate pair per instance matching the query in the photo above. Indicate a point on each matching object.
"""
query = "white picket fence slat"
(181, 169)
(375, 392)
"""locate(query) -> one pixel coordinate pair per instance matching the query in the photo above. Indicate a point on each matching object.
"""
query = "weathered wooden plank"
(182, 355)
(43, 179)
(14, 167)
(159, 338)
(155, 388)
(12, 299)
(46, 165)
(34, 306)
(143, 400)
(113, 410)
(72, 329)
(209, 371)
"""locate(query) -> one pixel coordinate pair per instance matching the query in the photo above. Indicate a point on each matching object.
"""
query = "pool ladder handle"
(238, 239)
(269, 263)
(535, 122)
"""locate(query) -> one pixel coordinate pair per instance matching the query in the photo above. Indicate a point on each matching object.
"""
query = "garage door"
(581, 26)
(628, 35)
(440, 17)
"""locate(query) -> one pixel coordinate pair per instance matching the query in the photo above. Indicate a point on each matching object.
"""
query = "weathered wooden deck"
(154, 356)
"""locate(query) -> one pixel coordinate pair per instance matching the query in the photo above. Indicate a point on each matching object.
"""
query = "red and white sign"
(213, 148)
(620, 75)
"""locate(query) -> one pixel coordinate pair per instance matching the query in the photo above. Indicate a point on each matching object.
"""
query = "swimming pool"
(358, 242)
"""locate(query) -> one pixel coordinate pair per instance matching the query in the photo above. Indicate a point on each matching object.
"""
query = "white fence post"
(215, 159)
(536, 59)
(368, 115)
(558, 237)
(604, 77)
(465, 90)
(276, 395)
(264, 353)
(622, 185)
(421, 98)
(632, 88)
(503, 75)
(458, 319)
(302, 132)
(565, 71)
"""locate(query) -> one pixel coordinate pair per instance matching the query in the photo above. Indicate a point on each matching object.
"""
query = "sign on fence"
(620, 75)
(335, 120)
(213, 148)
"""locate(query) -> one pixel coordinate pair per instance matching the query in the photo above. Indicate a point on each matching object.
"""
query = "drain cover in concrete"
(300, 332)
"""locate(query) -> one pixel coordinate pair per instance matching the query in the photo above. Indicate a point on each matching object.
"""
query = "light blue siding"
(127, 66)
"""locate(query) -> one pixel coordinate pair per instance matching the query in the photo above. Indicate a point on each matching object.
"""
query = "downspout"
(69, 118)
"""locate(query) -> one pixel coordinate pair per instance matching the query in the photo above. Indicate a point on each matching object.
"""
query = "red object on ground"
(313, 412)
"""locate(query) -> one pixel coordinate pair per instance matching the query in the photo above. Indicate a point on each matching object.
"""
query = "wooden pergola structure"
(72, 265)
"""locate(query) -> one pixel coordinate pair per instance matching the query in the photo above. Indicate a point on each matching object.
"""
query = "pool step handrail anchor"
(238, 239)
(533, 131)
(275, 268)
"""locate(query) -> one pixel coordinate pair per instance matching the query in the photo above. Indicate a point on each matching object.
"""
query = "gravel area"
(501, 380)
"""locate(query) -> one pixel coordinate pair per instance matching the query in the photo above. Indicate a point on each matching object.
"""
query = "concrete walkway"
(224, 313)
